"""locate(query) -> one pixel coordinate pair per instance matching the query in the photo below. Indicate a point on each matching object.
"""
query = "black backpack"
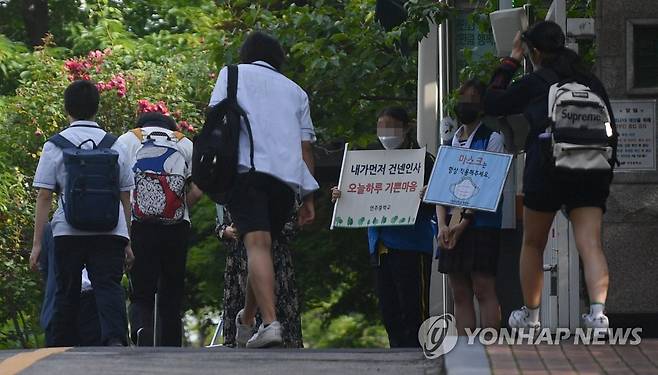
(91, 197)
(215, 155)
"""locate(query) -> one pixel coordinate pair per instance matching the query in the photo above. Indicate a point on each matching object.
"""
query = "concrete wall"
(631, 223)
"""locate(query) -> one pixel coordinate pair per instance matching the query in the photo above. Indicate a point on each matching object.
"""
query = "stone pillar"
(630, 236)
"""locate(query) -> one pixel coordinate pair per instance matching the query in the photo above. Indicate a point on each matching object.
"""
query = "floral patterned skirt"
(287, 305)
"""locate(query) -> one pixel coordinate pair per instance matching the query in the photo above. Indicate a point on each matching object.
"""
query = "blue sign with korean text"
(468, 178)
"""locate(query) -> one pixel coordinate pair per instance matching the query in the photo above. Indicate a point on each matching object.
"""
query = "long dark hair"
(548, 38)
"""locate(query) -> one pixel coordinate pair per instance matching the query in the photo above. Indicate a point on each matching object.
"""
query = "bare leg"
(536, 226)
(587, 223)
(484, 287)
(250, 306)
(261, 274)
(463, 296)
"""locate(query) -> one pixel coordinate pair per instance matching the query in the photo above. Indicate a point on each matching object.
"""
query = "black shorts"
(261, 202)
(588, 189)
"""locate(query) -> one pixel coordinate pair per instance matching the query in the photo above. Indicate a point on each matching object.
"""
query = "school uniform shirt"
(280, 118)
(51, 175)
(496, 141)
(418, 237)
(185, 146)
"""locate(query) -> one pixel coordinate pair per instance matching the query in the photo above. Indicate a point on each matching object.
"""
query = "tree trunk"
(35, 16)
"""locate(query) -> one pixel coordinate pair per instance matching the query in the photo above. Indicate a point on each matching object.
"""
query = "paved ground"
(125, 361)
(565, 358)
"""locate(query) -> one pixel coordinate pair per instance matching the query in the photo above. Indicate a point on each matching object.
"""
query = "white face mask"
(391, 142)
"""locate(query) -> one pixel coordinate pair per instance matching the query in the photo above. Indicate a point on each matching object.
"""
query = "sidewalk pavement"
(565, 358)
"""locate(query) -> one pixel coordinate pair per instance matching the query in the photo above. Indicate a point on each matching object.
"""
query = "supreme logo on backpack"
(580, 127)
(160, 170)
(91, 194)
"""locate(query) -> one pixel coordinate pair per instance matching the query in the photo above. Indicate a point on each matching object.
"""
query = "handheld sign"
(379, 188)
(468, 178)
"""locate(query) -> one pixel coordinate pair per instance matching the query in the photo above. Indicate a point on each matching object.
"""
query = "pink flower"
(38, 133)
(146, 106)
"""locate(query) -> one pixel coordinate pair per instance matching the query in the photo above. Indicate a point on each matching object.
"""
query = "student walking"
(402, 255)
(90, 173)
(469, 244)
(235, 280)
(265, 193)
(552, 179)
(162, 165)
(89, 329)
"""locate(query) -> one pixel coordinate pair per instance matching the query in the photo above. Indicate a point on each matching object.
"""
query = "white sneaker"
(243, 332)
(520, 319)
(266, 336)
(599, 322)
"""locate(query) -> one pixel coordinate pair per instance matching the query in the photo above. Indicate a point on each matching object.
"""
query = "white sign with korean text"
(379, 188)
(636, 124)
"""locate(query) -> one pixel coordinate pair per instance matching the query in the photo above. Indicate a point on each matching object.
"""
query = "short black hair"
(395, 112)
(156, 119)
(260, 46)
(81, 100)
(474, 84)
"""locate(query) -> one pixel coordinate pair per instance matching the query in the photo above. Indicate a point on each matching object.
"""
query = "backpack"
(160, 170)
(216, 148)
(580, 128)
(91, 198)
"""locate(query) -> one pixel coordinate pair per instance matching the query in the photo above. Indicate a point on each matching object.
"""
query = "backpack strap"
(139, 133)
(232, 84)
(61, 142)
(107, 141)
(232, 95)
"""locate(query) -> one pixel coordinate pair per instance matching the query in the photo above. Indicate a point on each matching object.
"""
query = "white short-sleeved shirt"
(51, 175)
(132, 144)
(496, 141)
(280, 118)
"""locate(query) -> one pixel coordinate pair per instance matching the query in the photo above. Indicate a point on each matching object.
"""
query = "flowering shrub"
(178, 86)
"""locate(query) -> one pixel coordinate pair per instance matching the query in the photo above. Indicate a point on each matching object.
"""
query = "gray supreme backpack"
(580, 127)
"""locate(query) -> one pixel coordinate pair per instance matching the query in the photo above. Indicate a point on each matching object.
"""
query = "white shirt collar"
(85, 123)
(263, 63)
(458, 133)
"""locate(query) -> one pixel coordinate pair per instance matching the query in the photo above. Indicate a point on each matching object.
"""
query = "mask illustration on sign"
(391, 142)
(464, 189)
(467, 113)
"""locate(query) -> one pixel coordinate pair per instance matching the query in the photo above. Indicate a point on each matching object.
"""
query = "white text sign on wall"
(636, 123)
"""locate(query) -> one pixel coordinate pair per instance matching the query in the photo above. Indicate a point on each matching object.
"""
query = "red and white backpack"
(160, 182)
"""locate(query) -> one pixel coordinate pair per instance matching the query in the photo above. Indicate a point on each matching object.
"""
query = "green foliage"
(19, 288)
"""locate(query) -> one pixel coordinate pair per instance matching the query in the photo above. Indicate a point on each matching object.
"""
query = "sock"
(596, 309)
(533, 314)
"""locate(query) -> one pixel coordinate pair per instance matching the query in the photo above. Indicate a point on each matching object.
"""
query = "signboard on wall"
(467, 35)
(636, 123)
